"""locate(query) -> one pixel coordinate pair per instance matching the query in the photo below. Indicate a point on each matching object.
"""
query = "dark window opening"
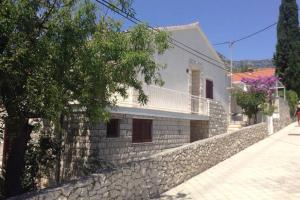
(113, 128)
(209, 89)
(141, 130)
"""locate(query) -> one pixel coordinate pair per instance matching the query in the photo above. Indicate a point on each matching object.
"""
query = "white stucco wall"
(178, 61)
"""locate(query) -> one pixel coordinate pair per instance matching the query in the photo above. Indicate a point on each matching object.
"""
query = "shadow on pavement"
(178, 196)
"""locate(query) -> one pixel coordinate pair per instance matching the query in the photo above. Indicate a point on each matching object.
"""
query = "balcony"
(165, 99)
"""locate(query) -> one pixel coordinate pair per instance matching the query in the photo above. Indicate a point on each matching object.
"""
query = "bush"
(250, 102)
(292, 99)
(40, 160)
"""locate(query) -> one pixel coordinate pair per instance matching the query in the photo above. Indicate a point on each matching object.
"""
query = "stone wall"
(87, 146)
(151, 177)
(199, 130)
(218, 121)
(1, 153)
(284, 112)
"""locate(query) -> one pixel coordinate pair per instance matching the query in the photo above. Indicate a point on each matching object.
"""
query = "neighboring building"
(254, 73)
(237, 113)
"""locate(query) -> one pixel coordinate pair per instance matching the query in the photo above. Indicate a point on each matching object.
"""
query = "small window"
(113, 128)
(141, 130)
(209, 89)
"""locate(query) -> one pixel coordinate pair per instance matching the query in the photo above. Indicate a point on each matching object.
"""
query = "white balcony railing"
(167, 100)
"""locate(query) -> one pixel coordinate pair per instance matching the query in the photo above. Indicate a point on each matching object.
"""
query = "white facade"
(178, 93)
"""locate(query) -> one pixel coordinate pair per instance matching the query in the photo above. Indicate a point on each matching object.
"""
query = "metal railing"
(160, 98)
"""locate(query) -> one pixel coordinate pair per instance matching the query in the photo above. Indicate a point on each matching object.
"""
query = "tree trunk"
(18, 131)
(58, 158)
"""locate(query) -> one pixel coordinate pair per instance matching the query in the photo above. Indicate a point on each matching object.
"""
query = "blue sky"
(221, 20)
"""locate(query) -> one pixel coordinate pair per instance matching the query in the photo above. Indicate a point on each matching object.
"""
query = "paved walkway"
(268, 170)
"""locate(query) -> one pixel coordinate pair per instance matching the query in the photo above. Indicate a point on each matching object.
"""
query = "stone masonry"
(150, 177)
(87, 146)
(284, 112)
(199, 130)
(218, 122)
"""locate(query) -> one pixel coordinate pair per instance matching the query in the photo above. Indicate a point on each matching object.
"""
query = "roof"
(262, 72)
(181, 27)
(195, 26)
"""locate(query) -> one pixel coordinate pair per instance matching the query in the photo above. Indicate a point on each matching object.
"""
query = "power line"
(136, 21)
(154, 29)
(255, 33)
(221, 43)
(247, 36)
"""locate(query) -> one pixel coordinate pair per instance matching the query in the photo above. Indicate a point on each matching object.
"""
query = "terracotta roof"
(263, 72)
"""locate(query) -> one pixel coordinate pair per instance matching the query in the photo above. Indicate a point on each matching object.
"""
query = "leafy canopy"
(292, 99)
(250, 102)
(59, 52)
(287, 56)
(56, 52)
(265, 85)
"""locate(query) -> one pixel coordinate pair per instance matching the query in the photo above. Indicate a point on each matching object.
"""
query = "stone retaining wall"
(218, 119)
(87, 146)
(284, 112)
(151, 177)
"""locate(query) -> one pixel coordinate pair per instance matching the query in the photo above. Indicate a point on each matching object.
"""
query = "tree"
(250, 102)
(287, 56)
(265, 85)
(292, 99)
(259, 91)
(292, 73)
(56, 52)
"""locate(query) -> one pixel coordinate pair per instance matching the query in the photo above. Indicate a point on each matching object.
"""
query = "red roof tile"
(263, 72)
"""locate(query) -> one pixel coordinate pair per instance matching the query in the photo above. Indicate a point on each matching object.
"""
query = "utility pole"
(230, 76)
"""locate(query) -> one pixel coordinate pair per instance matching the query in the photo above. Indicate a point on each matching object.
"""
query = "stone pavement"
(268, 170)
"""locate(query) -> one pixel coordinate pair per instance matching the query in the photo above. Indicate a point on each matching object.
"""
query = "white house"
(192, 105)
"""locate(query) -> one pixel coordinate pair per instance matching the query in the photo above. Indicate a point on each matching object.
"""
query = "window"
(113, 128)
(141, 130)
(209, 89)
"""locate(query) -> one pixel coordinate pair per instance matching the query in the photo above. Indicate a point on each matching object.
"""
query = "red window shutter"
(141, 130)
(209, 89)
(113, 128)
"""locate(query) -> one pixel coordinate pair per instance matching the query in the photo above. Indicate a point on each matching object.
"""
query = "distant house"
(252, 74)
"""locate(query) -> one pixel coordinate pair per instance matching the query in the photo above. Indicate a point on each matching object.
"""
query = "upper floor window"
(209, 89)
(113, 128)
(141, 130)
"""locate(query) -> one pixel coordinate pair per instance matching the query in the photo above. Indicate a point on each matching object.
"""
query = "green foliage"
(61, 51)
(2, 175)
(268, 109)
(287, 56)
(250, 102)
(292, 73)
(243, 69)
(292, 99)
(39, 159)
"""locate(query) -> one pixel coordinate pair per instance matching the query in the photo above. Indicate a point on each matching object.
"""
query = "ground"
(268, 170)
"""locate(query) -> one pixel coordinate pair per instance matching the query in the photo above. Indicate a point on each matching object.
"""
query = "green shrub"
(292, 99)
(250, 102)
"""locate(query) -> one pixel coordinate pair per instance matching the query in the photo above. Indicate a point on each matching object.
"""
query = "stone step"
(235, 126)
